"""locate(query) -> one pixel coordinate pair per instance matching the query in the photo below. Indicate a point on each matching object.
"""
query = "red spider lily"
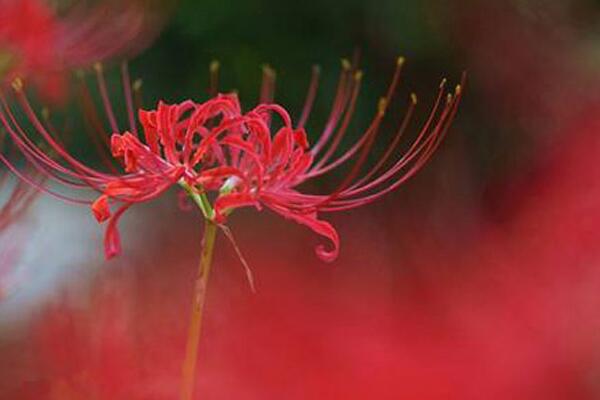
(238, 159)
(36, 42)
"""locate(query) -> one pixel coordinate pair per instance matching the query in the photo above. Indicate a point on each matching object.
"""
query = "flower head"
(225, 158)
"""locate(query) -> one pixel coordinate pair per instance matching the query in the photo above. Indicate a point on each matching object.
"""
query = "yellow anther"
(358, 75)
(443, 83)
(98, 66)
(400, 61)
(214, 66)
(346, 64)
(45, 113)
(382, 106)
(413, 98)
(137, 84)
(17, 84)
(267, 70)
(458, 89)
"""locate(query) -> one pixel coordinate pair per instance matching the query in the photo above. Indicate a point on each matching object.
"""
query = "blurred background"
(479, 278)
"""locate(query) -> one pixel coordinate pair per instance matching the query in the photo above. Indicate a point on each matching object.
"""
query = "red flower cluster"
(37, 43)
(225, 159)
(28, 34)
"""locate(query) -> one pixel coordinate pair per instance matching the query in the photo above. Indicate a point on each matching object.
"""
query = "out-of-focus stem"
(191, 351)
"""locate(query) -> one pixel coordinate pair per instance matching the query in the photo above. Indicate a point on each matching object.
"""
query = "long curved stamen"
(341, 160)
(370, 135)
(30, 151)
(39, 186)
(267, 90)
(213, 69)
(431, 147)
(310, 96)
(137, 93)
(102, 87)
(126, 82)
(318, 169)
(94, 128)
(337, 107)
(424, 139)
(344, 126)
(42, 131)
(393, 145)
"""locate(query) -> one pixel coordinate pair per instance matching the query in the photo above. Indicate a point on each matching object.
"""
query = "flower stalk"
(199, 298)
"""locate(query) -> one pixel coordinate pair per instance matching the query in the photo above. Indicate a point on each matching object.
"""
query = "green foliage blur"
(293, 36)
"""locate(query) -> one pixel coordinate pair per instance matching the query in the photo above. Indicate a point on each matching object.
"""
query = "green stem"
(191, 351)
(200, 199)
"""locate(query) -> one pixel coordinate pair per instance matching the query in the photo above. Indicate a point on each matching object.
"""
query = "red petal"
(101, 209)
(233, 201)
(112, 238)
(322, 228)
(301, 138)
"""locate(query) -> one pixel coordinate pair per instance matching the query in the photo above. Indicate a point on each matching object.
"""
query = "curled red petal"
(112, 238)
(100, 209)
(318, 226)
(233, 201)
(301, 138)
(112, 243)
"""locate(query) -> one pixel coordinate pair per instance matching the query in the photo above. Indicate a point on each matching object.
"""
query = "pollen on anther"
(413, 98)
(346, 64)
(45, 113)
(17, 84)
(268, 70)
(214, 66)
(137, 84)
(382, 106)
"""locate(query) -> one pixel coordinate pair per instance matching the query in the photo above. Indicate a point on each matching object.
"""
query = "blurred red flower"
(38, 43)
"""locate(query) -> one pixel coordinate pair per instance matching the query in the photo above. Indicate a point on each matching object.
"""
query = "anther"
(17, 84)
(346, 65)
(137, 84)
(268, 71)
(214, 66)
(45, 113)
(382, 106)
